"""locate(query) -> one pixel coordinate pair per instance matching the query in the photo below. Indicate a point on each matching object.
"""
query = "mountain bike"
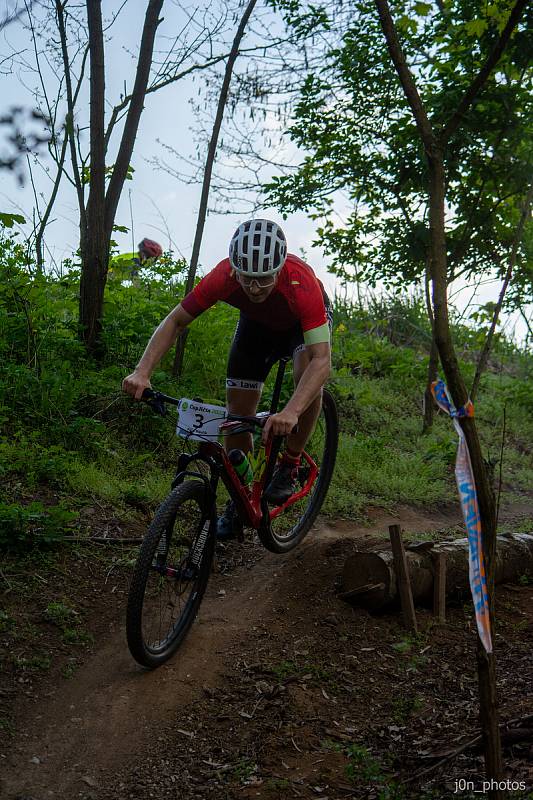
(174, 562)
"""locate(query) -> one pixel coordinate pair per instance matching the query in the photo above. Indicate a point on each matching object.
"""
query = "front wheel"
(287, 530)
(171, 575)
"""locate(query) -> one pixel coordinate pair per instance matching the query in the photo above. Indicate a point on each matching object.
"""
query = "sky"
(153, 204)
(159, 206)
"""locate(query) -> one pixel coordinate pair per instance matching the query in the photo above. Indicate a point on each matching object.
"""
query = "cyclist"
(126, 266)
(284, 311)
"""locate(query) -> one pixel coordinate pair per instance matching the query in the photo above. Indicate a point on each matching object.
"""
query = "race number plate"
(199, 420)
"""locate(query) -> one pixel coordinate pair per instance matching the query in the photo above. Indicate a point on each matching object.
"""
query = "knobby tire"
(165, 536)
(290, 539)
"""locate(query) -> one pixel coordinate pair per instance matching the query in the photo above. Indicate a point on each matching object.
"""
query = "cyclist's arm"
(313, 379)
(160, 343)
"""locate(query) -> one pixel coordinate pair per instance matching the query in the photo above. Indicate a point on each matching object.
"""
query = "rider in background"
(126, 266)
(284, 311)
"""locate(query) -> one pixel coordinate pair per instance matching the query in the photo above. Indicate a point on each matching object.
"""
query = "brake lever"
(154, 400)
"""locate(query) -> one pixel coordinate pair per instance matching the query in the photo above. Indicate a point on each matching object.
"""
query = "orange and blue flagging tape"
(469, 505)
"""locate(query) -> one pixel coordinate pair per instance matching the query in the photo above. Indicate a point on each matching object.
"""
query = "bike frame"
(252, 508)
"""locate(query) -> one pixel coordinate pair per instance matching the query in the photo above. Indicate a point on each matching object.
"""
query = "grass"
(80, 439)
(363, 770)
(69, 669)
(243, 770)
(77, 636)
(59, 613)
(7, 726)
(39, 662)
(404, 707)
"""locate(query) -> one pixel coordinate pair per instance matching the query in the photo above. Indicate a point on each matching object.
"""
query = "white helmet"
(258, 247)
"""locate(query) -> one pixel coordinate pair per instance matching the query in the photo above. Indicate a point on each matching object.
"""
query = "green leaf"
(406, 25)
(422, 9)
(476, 27)
(8, 220)
(121, 228)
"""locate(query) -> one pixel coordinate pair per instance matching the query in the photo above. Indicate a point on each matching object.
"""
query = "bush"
(25, 527)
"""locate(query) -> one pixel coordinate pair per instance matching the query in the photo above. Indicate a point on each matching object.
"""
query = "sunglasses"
(261, 283)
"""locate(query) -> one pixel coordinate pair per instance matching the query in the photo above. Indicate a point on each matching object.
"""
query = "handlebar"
(157, 400)
(238, 423)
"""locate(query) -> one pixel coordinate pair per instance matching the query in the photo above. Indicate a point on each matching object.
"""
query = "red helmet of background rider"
(150, 249)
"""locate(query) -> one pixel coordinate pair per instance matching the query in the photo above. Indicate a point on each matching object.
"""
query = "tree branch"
(406, 79)
(210, 159)
(15, 15)
(71, 102)
(154, 88)
(44, 220)
(177, 76)
(482, 362)
(151, 22)
(483, 75)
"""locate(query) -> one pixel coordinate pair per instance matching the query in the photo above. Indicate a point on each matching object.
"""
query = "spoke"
(284, 525)
(171, 583)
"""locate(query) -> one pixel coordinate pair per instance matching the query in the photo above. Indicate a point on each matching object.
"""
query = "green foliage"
(6, 622)
(61, 614)
(363, 770)
(24, 527)
(364, 162)
(40, 661)
(68, 431)
(8, 220)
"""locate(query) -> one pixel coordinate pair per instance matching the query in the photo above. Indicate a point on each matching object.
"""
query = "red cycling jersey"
(298, 297)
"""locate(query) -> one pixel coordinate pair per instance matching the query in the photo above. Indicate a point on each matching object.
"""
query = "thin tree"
(208, 170)
(435, 141)
(102, 205)
(487, 345)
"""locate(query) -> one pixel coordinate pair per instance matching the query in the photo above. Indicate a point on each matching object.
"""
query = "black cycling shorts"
(255, 349)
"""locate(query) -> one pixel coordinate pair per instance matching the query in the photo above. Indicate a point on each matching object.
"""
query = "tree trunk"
(486, 501)
(369, 580)
(129, 134)
(433, 365)
(206, 183)
(94, 253)
(429, 402)
(69, 121)
(101, 208)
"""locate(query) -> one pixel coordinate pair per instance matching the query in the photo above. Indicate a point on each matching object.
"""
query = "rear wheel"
(170, 576)
(286, 530)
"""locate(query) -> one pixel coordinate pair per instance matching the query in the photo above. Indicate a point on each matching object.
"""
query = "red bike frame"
(248, 499)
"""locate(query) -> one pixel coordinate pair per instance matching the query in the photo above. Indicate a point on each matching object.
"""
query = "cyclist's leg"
(241, 401)
(248, 366)
(244, 378)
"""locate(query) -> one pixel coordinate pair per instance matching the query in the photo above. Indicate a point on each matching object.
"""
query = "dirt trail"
(71, 739)
(101, 717)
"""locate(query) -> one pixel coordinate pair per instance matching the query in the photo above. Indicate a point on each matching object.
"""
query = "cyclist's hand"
(280, 424)
(135, 384)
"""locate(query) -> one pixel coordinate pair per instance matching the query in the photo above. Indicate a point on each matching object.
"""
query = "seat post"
(278, 384)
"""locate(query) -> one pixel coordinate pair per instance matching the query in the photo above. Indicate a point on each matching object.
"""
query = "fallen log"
(369, 580)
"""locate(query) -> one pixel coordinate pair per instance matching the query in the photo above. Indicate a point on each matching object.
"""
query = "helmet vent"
(258, 246)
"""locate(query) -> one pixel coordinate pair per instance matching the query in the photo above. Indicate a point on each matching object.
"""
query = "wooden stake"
(439, 587)
(402, 576)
